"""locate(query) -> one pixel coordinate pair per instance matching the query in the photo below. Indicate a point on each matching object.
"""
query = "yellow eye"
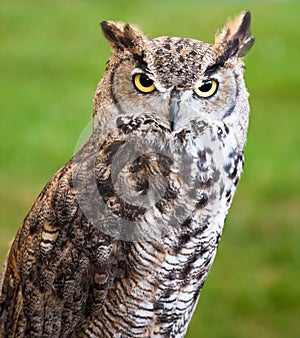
(208, 89)
(143, 83)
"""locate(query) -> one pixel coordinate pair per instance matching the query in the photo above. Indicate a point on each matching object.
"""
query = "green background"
(52, 54)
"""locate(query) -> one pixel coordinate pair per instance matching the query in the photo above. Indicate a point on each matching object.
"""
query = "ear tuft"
(123, 37)
(235, 38)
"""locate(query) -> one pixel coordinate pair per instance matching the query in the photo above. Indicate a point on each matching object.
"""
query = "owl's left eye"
(208, 88)
(143, 83)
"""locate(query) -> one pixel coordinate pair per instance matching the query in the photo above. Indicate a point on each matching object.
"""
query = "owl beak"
(174, 109)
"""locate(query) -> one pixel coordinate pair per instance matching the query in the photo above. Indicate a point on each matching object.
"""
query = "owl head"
(176, 81)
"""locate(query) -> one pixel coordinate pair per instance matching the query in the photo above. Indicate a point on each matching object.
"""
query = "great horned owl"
(120, 241)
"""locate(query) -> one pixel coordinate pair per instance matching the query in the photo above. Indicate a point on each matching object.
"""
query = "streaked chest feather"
(170, 194)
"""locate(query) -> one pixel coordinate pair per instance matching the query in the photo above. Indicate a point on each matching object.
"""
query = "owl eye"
(143, 83)
(208, 89)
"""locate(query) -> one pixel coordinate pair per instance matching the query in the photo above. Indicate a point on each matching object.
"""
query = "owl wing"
(57, 270)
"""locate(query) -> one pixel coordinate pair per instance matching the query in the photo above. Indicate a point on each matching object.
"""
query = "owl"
(120, 241)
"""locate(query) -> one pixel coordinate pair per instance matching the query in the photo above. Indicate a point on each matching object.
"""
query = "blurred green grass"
(52, 54)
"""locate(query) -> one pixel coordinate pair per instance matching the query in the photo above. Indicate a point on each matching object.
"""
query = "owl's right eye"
(143, 83)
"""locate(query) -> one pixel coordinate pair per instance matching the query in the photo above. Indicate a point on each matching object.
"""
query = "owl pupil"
(145, 81)
(206, 87)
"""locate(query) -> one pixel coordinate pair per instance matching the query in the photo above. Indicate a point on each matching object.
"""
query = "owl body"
(120, 241)
(178, 234)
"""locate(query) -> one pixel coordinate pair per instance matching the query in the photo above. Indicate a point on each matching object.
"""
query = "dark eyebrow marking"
(140, 61)
(213, 68)
(230, 51)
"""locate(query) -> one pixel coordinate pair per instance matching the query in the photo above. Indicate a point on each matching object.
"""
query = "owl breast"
(165, 194)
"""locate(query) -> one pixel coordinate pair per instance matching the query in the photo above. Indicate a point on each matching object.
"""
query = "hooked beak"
(174, 109)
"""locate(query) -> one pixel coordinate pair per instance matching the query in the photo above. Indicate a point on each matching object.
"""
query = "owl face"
(176, 96)
(179, 81)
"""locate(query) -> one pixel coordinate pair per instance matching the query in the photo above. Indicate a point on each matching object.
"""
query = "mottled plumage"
(120, 241)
